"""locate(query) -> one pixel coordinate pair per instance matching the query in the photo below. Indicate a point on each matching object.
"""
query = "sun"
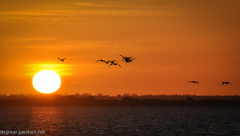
(46, 81)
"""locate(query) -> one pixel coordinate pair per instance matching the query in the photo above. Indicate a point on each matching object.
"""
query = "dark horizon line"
(119, 97)
(123, 95)
(126, 101)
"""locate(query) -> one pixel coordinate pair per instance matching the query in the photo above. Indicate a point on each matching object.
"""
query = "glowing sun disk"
(46, 81)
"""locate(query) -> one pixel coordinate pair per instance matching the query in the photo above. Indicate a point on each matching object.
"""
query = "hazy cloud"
(69, 11)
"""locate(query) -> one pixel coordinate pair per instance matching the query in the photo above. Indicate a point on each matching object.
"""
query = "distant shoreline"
(126, 101)
(119, 97)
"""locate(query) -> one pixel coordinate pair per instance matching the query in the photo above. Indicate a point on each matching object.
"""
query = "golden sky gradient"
(174, 41)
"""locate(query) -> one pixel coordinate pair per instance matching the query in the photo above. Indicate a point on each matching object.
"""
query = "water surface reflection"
(122, 120)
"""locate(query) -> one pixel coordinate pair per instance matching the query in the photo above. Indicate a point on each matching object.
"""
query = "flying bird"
(111, 62)
(193, 82)
(103, 61)
(114, 64)
(61, 59)
(226, 83)
(127, 59)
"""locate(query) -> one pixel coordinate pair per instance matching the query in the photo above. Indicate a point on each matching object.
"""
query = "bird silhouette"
(113, 61)
(193, 82)
(114, 64)
(61, 59)
(226, 83)
(103, 61)
(127, 59)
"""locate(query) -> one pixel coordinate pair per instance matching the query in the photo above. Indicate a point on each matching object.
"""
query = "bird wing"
(110, 64)
(100, 60)
(123, 56)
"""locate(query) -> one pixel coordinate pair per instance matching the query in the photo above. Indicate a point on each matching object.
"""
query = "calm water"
(122, 121)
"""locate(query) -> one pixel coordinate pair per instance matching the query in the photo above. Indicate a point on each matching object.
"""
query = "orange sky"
(174, 42)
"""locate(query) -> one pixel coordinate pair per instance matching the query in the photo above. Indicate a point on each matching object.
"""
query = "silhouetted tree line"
(89, 100)
(100, 96)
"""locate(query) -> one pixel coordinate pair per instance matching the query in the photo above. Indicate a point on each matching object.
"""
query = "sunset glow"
(173, 42)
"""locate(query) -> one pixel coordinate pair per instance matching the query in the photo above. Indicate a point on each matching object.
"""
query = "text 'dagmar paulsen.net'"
(19, 132)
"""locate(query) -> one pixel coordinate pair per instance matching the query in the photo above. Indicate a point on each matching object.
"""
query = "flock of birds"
(110, 62)
(198, 83)
(127, 60)
(124, 58)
